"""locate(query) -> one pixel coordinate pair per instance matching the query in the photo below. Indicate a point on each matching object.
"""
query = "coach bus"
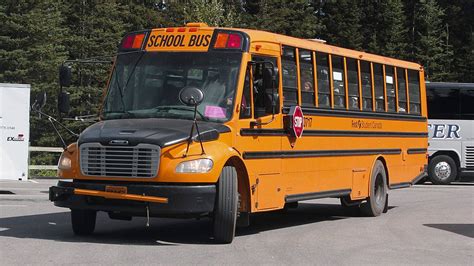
(451, 131)
(223, 123)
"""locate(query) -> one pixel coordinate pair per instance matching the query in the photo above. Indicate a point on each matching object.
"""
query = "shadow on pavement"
(162, 231)
(461, 229)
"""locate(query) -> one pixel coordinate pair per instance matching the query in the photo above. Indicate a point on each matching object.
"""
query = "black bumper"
(183, 200)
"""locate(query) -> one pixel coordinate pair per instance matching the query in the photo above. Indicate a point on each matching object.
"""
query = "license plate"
(116, 189)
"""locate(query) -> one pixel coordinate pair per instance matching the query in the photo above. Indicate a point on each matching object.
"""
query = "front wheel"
(442, 170)
(83, 221)
(375, 204)
(225, 210)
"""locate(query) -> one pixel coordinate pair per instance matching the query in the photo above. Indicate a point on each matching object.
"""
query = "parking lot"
(425, 224)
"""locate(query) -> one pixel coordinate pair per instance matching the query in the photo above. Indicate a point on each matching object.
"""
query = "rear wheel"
(442, 170)
(376, 202)
(225, 210)
(83, 221)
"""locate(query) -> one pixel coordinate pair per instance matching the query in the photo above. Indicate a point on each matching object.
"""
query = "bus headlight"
(195, 166)
(64, 163)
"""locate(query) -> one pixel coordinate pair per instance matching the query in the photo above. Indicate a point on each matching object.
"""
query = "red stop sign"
(297, 121)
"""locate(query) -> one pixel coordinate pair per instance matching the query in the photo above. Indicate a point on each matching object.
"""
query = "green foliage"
(431, 44)
(37, 36)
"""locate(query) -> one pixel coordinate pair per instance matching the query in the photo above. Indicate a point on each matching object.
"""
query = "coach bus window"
(402, 93)
(353, 82)
(366, 79)
(443, 103)
(245, 104)
(322, 65)
(378, 83)
(338, 82)
(390, 88)
(467, 104)
(307, 81)
(414, 90)
(290, 89)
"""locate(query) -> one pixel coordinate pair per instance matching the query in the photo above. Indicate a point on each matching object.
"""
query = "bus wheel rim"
(442, 170)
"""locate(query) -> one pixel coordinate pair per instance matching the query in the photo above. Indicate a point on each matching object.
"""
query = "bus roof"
(274, 38)
(263, 36)
(449, 85)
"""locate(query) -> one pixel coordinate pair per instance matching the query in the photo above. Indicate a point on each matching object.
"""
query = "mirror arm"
(190, 139)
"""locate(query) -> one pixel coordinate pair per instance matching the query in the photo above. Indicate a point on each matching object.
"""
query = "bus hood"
(158, 131)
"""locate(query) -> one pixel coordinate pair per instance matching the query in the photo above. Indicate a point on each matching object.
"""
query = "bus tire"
(375, 204)
(225, 210)
(83, 221)
(442, 170)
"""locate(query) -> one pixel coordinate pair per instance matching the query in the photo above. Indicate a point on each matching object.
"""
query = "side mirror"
(63, 102)
(191, 96)
(64, 76)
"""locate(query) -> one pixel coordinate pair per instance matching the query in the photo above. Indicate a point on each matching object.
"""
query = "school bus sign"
(196, 41)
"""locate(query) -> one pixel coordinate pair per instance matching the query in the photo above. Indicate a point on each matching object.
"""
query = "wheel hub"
(442, 170)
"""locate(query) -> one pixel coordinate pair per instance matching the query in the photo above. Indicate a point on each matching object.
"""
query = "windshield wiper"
(185, 108)
(115, 76)
(121, 114)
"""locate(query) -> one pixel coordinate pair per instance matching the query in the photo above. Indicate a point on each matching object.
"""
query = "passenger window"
(353, 81)
(414, 90)
(390, 88)
(467, 106)
(378, 88)
(324, 96)
(366, 79)
(245, 103)
(307, 81)
(402, 93)
(290, 88)
(339, 86)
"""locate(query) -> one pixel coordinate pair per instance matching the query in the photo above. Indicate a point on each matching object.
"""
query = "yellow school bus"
(222, 123)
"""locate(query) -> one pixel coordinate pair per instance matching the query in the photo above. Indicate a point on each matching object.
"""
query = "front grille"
(119, 161)
(470, 157)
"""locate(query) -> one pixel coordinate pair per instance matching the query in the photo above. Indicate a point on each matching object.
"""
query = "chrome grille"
(469, 157)
(119, 161)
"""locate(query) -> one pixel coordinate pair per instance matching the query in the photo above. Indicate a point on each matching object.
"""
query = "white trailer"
(14, 131)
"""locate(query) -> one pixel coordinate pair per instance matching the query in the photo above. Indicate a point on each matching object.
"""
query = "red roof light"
(235, 41)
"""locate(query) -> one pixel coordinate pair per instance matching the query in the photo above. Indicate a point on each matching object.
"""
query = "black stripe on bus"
(417, 151)
(357, 114)
(316, 153)
(332, 133)
(317, 195)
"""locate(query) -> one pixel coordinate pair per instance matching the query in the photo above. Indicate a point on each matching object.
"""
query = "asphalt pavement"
(425, 224)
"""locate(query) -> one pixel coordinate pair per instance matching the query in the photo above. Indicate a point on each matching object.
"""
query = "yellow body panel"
(330, 139)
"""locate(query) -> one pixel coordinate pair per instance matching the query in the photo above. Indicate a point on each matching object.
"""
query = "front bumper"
(162, 200)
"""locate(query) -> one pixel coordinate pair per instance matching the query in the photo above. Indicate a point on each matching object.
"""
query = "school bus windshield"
(147, 84)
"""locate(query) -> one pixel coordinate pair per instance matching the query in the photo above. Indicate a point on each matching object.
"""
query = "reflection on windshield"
(148, 85)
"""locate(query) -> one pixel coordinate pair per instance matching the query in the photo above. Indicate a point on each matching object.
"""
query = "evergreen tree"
(459, 21)
(31, 49)
(384, 27)
(342, 20)
(294, 18)
(430, 44)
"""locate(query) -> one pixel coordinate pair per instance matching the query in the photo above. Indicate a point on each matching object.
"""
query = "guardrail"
(43, 149)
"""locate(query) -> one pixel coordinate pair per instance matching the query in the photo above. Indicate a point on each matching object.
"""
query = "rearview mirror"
(65, 76)
(191, 96)
(63, 102)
